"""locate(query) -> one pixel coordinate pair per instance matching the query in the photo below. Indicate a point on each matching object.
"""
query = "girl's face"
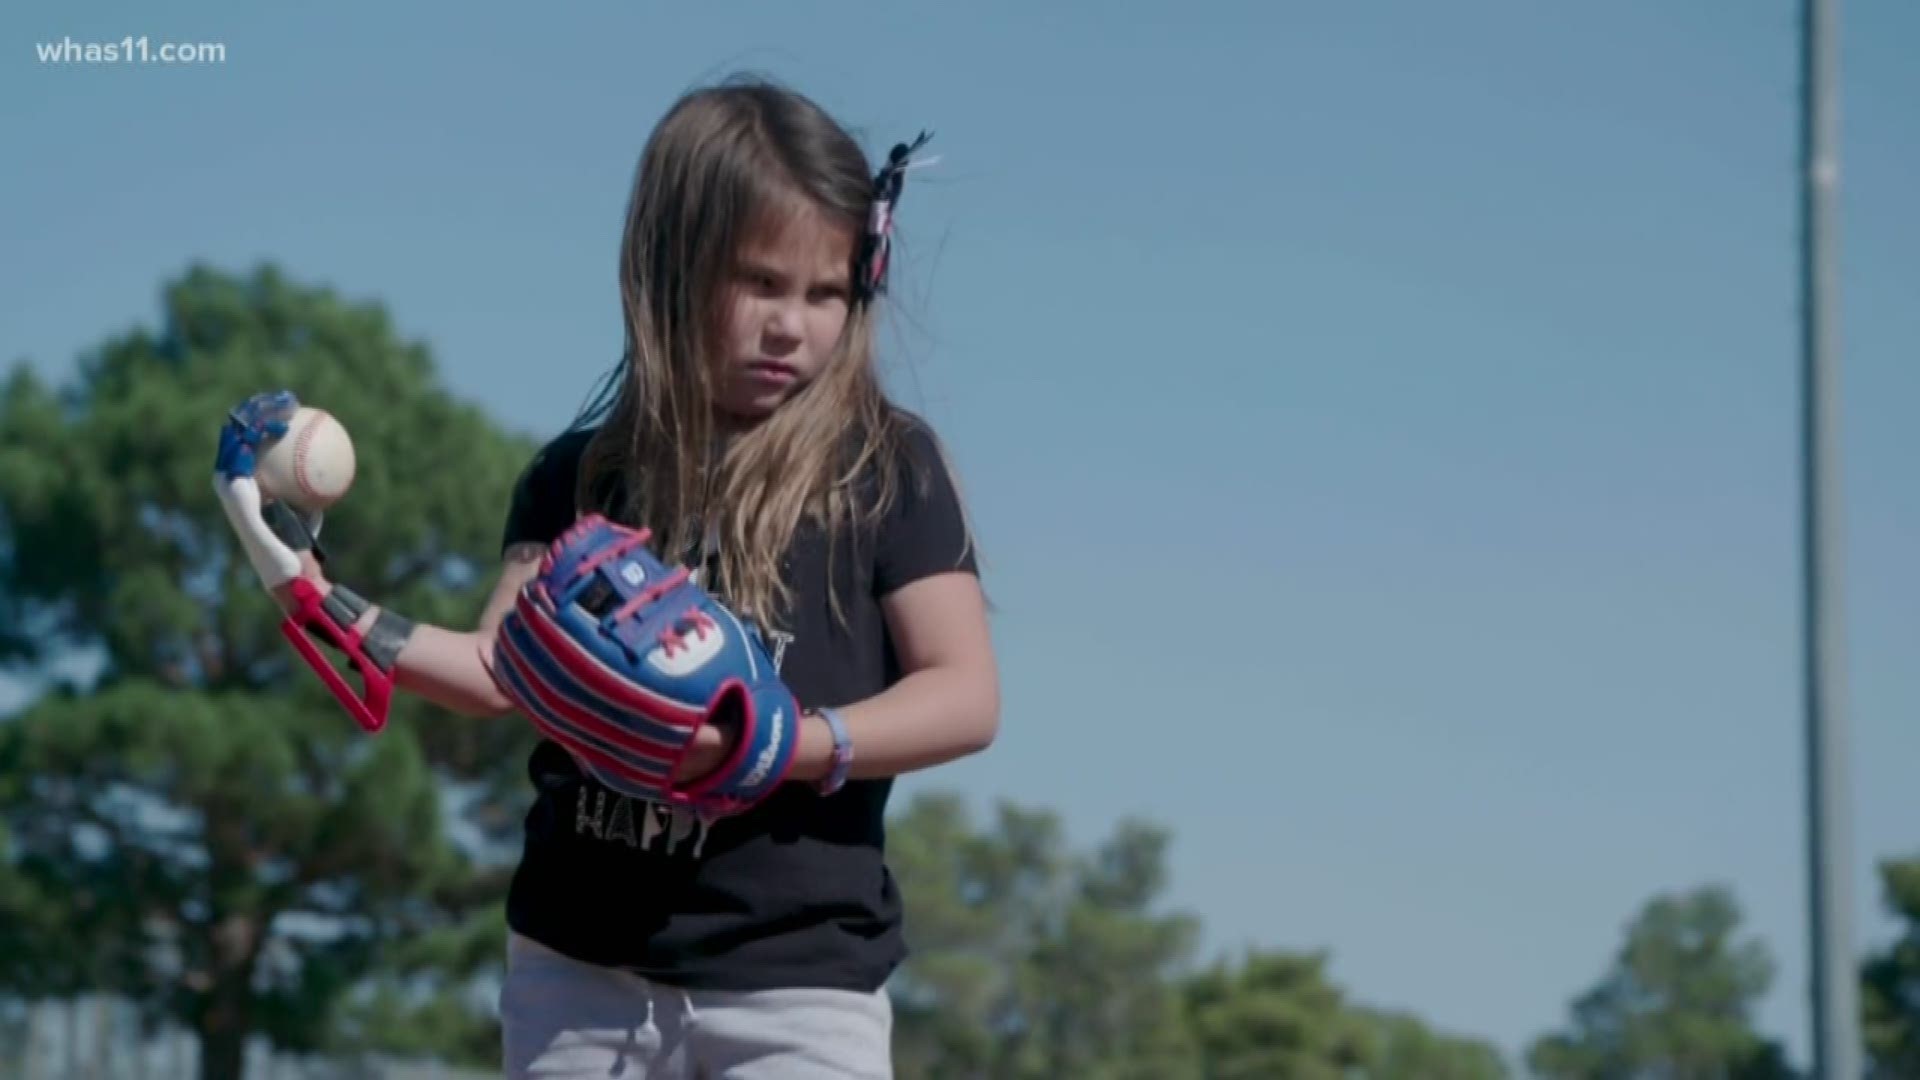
(786, 305)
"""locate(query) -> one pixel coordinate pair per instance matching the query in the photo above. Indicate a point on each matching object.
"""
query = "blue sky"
(1428, 564)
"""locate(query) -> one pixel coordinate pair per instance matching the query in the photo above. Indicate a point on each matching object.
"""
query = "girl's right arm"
(454, 669)
(451, 668)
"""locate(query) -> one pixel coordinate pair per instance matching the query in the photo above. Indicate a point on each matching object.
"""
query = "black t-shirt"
(795, 892)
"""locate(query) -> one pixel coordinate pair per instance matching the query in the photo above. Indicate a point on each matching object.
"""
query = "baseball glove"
(621, 660)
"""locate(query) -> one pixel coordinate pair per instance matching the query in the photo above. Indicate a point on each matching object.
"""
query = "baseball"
(311, 466)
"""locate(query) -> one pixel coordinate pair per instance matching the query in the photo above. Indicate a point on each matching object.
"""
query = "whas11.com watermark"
(131, 49)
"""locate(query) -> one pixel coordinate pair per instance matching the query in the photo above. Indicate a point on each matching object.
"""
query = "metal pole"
(1836, 1014)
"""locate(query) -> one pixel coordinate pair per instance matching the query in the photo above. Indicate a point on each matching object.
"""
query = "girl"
(748, 428)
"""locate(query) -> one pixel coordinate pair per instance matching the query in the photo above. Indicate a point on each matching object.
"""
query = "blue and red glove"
(622, 660)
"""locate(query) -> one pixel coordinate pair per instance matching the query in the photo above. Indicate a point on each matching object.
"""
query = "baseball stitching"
(300, 445)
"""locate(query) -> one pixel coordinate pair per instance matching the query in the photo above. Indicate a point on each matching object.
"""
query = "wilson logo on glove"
(621, 660)
(770, 756)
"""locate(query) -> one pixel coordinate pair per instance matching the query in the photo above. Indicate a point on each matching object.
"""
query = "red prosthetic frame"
(369, 706)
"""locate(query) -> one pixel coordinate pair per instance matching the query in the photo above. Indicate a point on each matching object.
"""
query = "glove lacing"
(672, 638)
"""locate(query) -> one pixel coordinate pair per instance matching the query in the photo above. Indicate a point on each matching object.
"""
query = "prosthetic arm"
(273, 535)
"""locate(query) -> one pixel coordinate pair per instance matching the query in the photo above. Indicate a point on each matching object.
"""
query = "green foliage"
(1278, 1014)
(1677, 1002)
(228, 849)
(1275, 1015)
(1890, 995)
(1029, 960)
(1032, 960)
(1399, 1047)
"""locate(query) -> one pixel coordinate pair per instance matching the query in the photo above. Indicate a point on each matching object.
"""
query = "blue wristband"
(842, 751)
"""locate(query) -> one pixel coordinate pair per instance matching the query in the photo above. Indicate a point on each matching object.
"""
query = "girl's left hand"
(711, 745)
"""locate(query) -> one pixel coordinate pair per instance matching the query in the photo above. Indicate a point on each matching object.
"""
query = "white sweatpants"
(565, 1020)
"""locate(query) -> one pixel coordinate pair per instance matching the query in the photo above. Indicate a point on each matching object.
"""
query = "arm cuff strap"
(385, 638)
(344, 606)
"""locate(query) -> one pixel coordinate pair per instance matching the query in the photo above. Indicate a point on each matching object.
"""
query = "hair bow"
(877, 246)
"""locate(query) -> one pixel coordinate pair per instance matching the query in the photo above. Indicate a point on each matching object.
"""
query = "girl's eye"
(828, 294)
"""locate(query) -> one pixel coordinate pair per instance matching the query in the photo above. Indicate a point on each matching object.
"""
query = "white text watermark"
(131, 49)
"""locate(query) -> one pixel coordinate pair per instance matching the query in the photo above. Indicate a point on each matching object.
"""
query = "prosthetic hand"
(274, 536)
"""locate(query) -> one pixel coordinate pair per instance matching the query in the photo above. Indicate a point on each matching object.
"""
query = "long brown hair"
(726, 161)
